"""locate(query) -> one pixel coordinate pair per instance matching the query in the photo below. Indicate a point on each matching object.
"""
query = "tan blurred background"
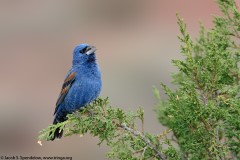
(136, 41)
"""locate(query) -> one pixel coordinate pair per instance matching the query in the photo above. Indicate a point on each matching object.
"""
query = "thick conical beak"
(91, 50)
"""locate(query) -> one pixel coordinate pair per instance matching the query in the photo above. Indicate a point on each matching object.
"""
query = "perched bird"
(81, 86)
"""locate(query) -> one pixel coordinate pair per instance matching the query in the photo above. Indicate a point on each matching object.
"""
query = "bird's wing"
(65, 88)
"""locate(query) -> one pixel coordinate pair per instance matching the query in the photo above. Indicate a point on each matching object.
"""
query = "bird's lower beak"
(91, 50)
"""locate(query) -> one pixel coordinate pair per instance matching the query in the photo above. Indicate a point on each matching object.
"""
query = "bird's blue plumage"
(81, 86)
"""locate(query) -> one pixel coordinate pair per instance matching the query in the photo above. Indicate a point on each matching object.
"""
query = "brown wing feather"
(65, 88)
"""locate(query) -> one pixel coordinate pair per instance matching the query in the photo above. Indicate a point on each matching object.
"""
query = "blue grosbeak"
(81, 86)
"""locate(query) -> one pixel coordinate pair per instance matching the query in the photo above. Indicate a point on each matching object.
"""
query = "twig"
(140, 150)
(144, 150)
(235, 35)
(142, 125)
(147, 141)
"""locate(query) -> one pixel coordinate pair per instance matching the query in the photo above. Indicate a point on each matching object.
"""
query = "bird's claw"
(76, 114)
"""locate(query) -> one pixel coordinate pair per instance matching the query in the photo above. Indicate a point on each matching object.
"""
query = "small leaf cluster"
(204, 111)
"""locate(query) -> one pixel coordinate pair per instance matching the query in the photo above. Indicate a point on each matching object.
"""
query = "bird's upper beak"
(91, 50)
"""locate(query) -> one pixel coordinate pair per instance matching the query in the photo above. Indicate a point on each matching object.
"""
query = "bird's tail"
(58, 132)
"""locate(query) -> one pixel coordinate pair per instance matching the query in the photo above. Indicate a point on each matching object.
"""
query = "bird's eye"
(83, 50)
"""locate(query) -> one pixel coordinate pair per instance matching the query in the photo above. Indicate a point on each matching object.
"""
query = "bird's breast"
(83, 91)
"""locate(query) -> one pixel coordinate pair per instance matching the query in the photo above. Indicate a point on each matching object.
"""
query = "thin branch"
(143, 152)
(234, 23)
(140, 150)
(146, 140)
(142, 125)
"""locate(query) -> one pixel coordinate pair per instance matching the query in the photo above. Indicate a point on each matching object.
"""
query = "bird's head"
(84, 53)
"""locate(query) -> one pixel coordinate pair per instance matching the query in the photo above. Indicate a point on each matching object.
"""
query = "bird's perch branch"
(114, 126)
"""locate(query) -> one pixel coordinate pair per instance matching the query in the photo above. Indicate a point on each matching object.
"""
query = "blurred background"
(136, 41)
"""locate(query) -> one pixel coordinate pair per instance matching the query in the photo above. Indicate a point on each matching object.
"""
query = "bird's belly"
(81, 94)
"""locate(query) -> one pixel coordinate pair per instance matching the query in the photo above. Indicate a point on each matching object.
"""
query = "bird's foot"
(76, 114)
